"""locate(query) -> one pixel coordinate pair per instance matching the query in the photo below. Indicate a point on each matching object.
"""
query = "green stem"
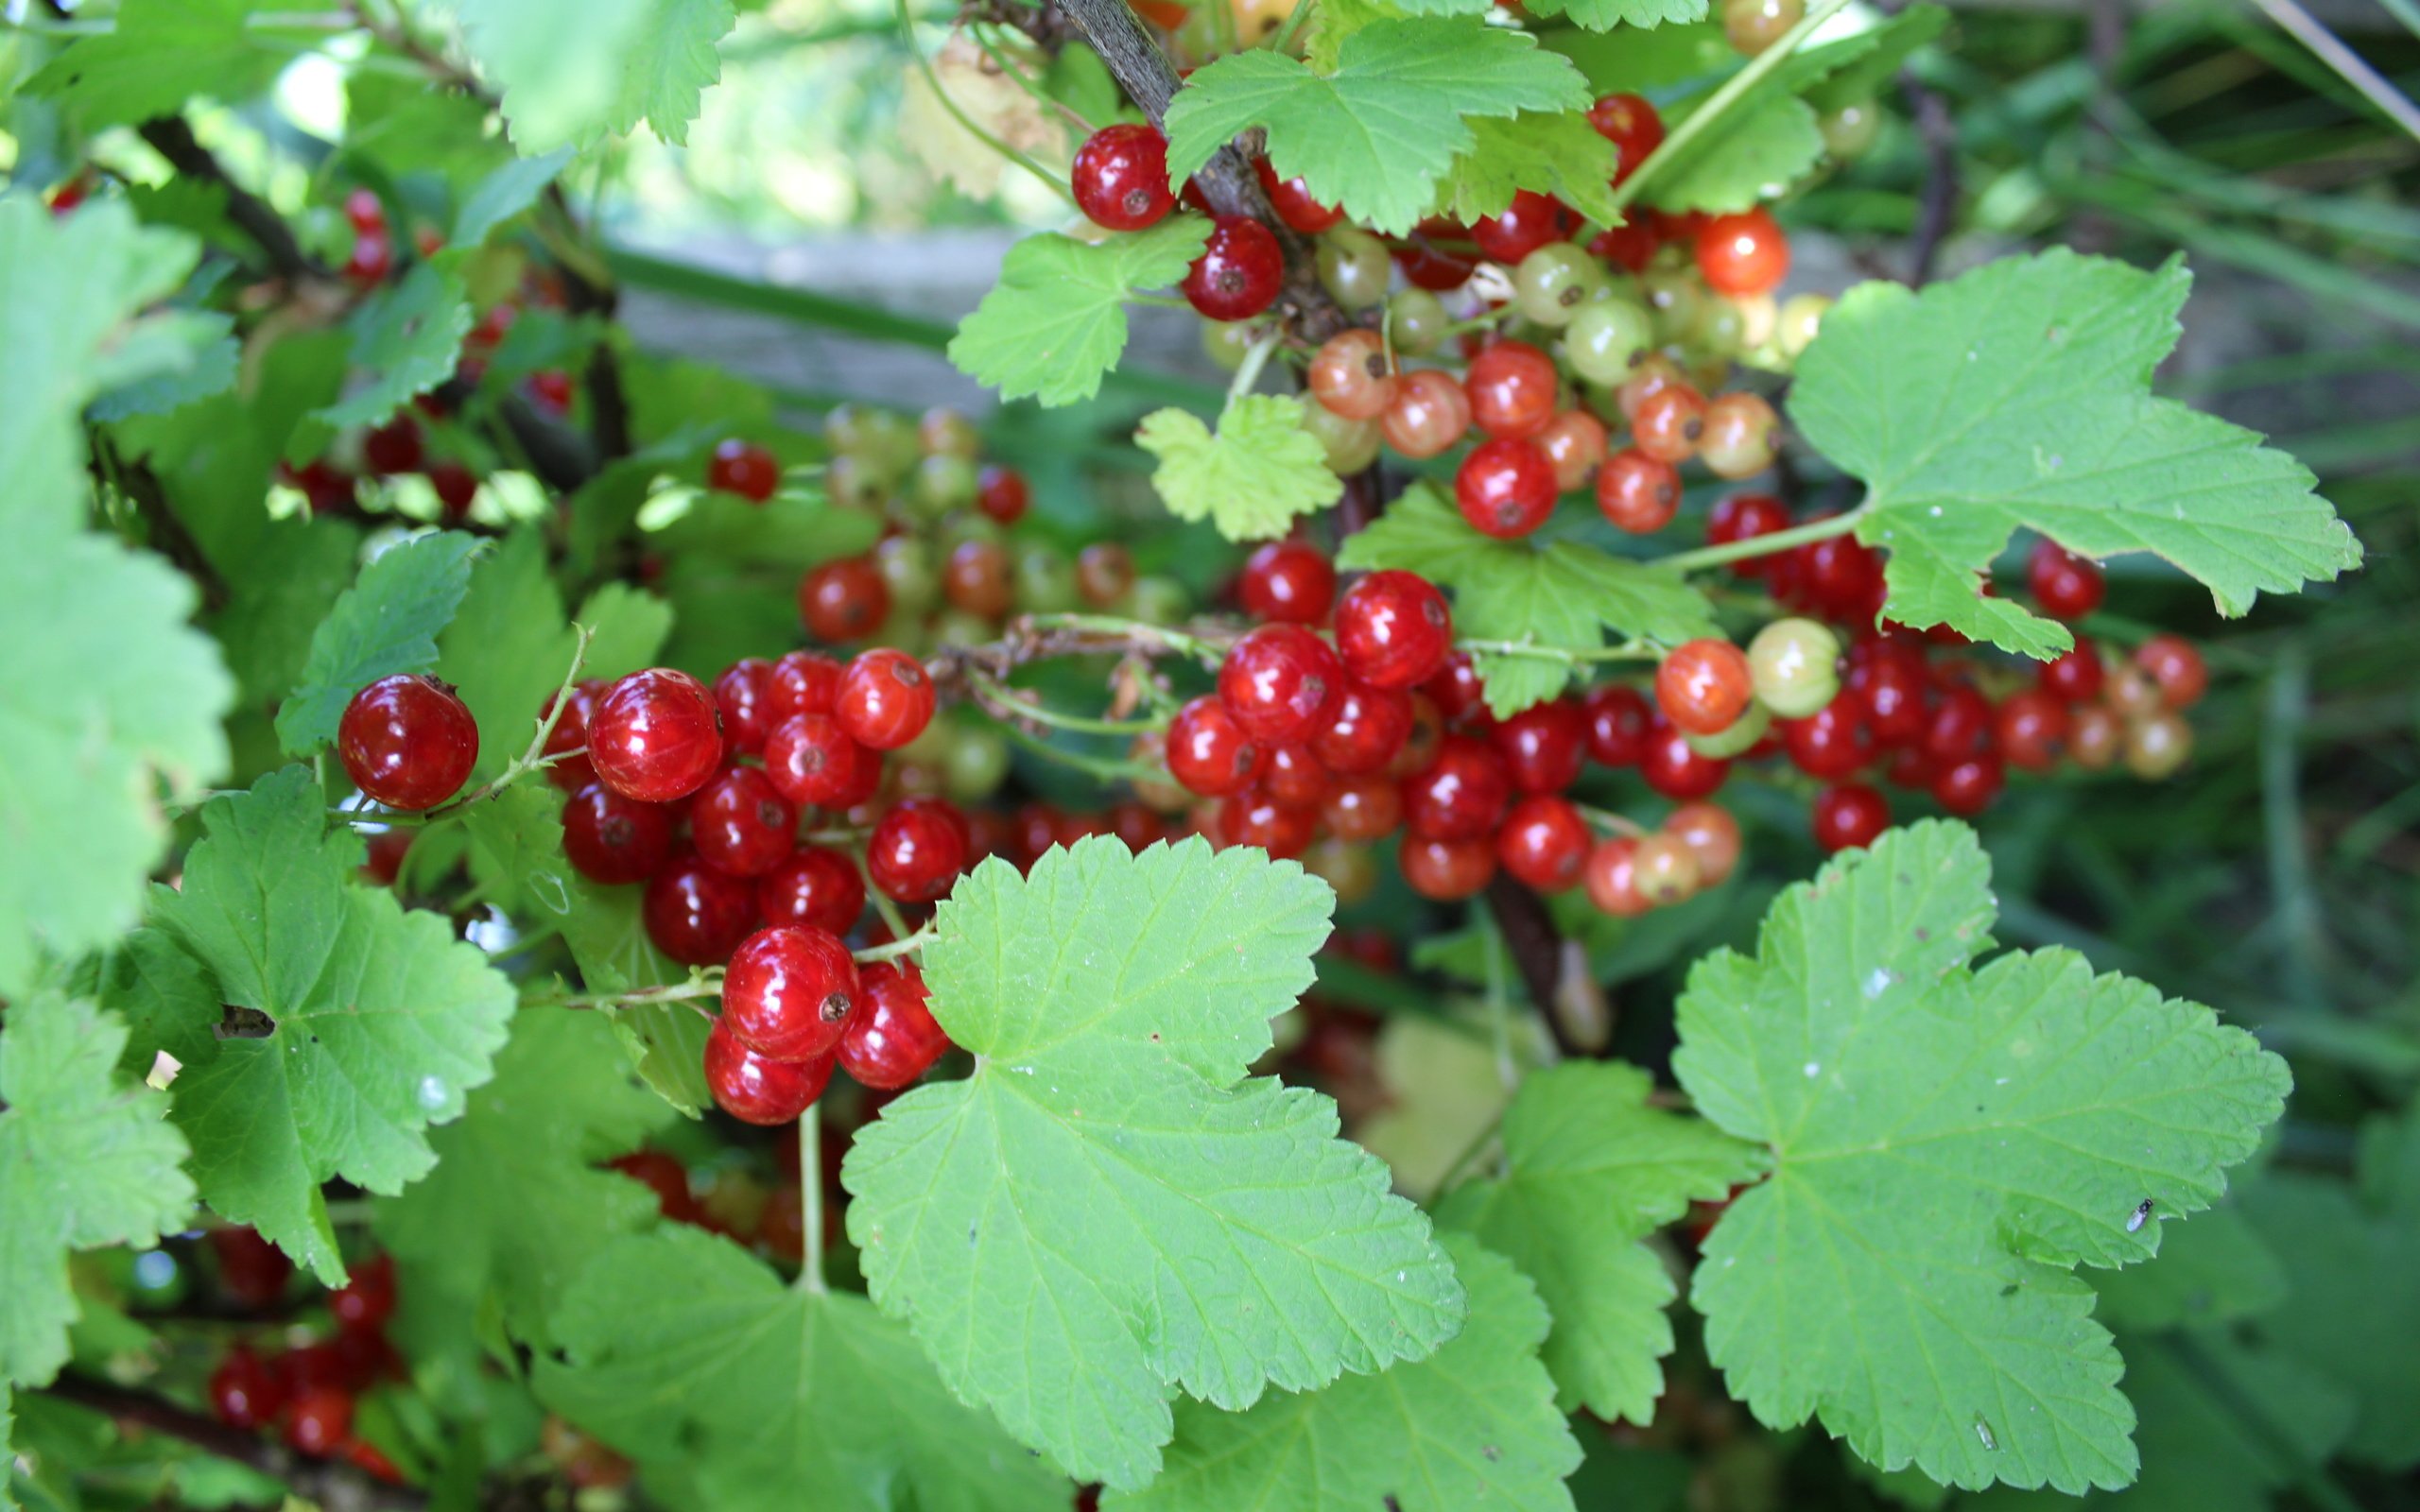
(1174, 639)
(933, 81)
(1689, 562)
(701, 985)
(810, 1190)
(1733, 89)
(1001, 61)
(1284, 40)
(1499, 1002)
(1102, 767)
(881, 901)
(1612, 823)
(534, 758)
(997, 701)
(1471, 1152)
(1248, 372)
(1627, 651)
(897, 948)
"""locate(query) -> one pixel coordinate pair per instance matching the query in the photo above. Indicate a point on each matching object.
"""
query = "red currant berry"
(1744, 517)
(788, 993)
(1280, 682)
(892, 1038)
(1960, 726)
(741, 823)
(320, 1420)
(1208, 751)
(407, 741)
(1292, 199)
(1463, 796)
(655, 736)
(1446, 869)
(814, 762)
(365, 210)
(569, 771)
(814, 889)
(1574, 443)
(697, 915)
(1669, 423)
(1513, 387)
(739, 701)
(2032, 730)
(1631, 124)
(1394, 630)
(1832, 742)
(244, 1392)
(1288, 581)
(1120, 177)
(1543, 746)
(1361, 809)
(1636, 493)
(2074, 677)
(844, 600)
(367, 1300)
(372, 259)
(1350, 376)
(664, 1176)
(1001, 493)
(1712, 836)
(394, 448)
(1366, 730)
(1430, 412)
(1675, 768)
(1618, 721)
(613, 839)
(1850, 814)
(801, 683)
(1257, 819)
(885, 698)
(2067, 587)
(1238, 273)
(757, 1089)
(745, 468)
(1295, 777)
(1505, 489)
(1967, 787)
(1891, 688)
(252, 1271)
(917, 849)
(1841, 577)
(1544, 843)
(1611, 876)
(2176, 667)
(1427, 266)
(1530, 222)
(1704, 686)
(456, 486)
(1743, 254)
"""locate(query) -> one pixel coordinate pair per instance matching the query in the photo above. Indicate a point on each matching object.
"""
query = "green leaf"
(627, 629)
(1376, 135)
(772, 1397)
(210, 372)
(1589, 1171)
(1604, 15)
(1473, 1425)
(1947, 1146)
(366, 1023)
(571, 71)
(1562, 596)
(2019, 396)
(407, 339)
(1754, 155)
(1553, 152)
(1229, 1239)
(160, 54)
(386, 622)
(1056, 321)
(506, 647)
(504, 194)
(1640, 63)
(1251, 478)
(84, 1160)
(517, 1204)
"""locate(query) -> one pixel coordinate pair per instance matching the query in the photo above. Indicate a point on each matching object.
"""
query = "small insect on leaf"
(2142, 1213)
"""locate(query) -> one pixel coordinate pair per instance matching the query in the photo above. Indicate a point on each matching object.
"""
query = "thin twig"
(1933, 213)
(172, 137)
(705, 984)
(332, 1485)
(1731, 91)
(810, 1192)
(2349, 65)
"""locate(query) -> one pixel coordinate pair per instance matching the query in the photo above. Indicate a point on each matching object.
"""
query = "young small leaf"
(406, 338)
(1229, 1239)
(1057, 319)
(159, 55)
(507, 646)
(2019, 396)
(1473, 1425)
(1604, 15)
(1947, 1145)
(504, 194)
(386, 622)
(1554, 152)
(1251, 478)
(572, 71)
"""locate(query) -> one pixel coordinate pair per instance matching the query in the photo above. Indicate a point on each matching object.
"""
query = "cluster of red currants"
(306, 1392)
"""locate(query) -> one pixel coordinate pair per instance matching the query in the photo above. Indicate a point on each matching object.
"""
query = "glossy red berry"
(756, 1089)
(1891, 688)
(1513, 387)
(1611, 876)
(1831, 742)
(844, 600)
(1457, 690)
(613, 839)
(1636, 493)
(1255, 819)
(1444, 870)
(1292, 199)
(1429, 413)
(788, 993)
(815, 888)
(739, 699)
(1366, 727)
(666, 1177)
(697, 915)
(1676, 769)
(571, 772)
(917, 849)
(364, 210)
(1669, 423)
(1960, 725)
(745, 468)
(885, 699)
(371, 259)
(2176, 668)
(1288, 581)
(1530, 222)
(394, 448)
(320, 1420)
(1362, 808)
(1393, 629)
(741, 823)
(1280, 682)
(1120, 178)
(1461, 797)
(1631, 247)
(1208, 752)
(1428, 266)
(456, 487)
(244, 1392)
(1742, 254)
(2075, 676)
(655, 736)
(1841, 577)
(1350, 375)
(1967, 787)
(1543, 746)
(407, 741)
(1850, 814)
(802, 682)
(1238, 272)
(1618, 720)
(1505, 489)
(1704, 686)
(2067, 587)
(1631, 124)
(2031, 729)
(1295, 777)
(367, 1300)
(893, 1038)
(815, 763)
(1001, 493)
(1744, 517)
(252, 1271)
(1545, 843)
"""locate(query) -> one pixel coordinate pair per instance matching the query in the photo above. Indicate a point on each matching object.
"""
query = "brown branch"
(1939, 135)
(1555, 970)
(173, 138)
(331, 1484)
(561, 456)
(609, 409)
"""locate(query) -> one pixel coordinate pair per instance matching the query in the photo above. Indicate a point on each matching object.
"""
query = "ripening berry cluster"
(305, 1393)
